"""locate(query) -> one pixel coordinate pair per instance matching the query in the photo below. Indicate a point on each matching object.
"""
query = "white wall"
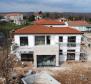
(65, 25)
(80, 28)
(30, 39)
(17, 19)
(54, 41)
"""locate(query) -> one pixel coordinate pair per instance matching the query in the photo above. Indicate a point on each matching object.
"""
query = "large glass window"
(46, 60)
(27, 57)
(39, 40)
(71, 41)
(23, 41)
(70, 54)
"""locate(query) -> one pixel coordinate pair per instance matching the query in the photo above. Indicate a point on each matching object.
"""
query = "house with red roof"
(80, 25)
(16, 18)
(38, 15)
(47, 45)
(51, 23)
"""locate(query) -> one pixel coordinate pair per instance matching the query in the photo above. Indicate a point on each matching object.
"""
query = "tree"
(70, 18)
(6, 62)
(25, 17)
(31, 18)
(1, 17)
(46, 15)
(40, 12)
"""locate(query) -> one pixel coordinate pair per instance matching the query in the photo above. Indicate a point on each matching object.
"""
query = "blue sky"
(45, 5)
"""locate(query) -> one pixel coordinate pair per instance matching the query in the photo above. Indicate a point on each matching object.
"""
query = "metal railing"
(69, 44)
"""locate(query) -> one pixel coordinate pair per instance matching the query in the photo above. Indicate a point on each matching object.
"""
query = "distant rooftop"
(48, 22)
(13, 14)
(78, 23)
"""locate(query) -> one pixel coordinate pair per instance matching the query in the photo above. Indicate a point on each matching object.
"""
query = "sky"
(45, 5)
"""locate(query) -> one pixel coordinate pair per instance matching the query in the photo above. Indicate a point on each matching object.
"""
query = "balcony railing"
(71, 44)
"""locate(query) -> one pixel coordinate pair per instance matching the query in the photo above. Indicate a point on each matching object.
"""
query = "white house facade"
(15, 18)
(47, 46)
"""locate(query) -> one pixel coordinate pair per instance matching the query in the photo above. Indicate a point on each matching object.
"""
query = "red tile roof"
(48, 22)
(78, 23)
(13, 14)
(40, 29)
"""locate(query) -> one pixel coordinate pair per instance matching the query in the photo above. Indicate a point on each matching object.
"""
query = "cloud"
(46, 5)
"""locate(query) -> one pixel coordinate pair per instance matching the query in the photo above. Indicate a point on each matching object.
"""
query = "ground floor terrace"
(46, 56)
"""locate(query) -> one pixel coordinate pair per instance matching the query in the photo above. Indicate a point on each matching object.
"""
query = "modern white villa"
(47, 44)
(16, 18)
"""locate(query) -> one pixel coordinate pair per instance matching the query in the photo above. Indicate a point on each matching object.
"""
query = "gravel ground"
(71, 73)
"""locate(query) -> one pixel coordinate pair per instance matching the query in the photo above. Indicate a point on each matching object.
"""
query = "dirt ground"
(71, 73)
(68, 73)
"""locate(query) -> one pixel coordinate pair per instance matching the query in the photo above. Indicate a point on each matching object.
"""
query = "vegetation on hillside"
(6, 27)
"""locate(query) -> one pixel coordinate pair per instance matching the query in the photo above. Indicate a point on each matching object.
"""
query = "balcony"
(71, 44)
(46, 49)
(16, 48)
(37, 49)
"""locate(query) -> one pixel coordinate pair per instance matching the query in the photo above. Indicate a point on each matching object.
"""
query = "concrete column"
(45, 40)
(65, 53)
(65, 57)
(35, 60)
(65, 41)
(77, 56)
(57, 60)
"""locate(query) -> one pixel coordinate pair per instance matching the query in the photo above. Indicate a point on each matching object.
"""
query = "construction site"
(70, 72)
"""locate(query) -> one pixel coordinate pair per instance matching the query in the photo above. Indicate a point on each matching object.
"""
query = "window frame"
(71, 42)
(61, 38)
(26, 44)
(70, 53)
(36, 43)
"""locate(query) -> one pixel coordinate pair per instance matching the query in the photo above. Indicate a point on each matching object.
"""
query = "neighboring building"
(62, 19)
(3, 20)
(47, 46)
(38, 16)
(16, 18)
(80, 25)
(51, 23)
